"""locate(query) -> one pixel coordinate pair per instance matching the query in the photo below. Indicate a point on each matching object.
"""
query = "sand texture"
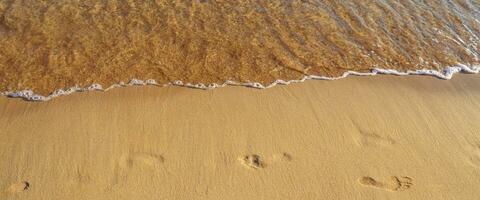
(54, 44)
(382, 137)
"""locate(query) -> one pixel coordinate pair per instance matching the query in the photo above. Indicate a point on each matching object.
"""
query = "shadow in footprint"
(395, 183)
(253, 161)
(18, 187)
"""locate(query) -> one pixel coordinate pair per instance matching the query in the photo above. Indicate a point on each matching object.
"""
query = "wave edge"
(446, 74)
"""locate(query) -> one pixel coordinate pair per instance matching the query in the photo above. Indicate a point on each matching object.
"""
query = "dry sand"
(377, 137)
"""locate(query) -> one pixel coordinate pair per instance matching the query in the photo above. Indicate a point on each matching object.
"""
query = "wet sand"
(382, 137)
(57, 44)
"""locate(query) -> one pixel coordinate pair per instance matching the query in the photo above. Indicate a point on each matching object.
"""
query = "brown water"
(51, 44)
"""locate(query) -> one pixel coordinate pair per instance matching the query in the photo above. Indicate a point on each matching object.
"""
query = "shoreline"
(446, 74)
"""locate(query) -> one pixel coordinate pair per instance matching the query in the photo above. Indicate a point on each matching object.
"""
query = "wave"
(447, 73)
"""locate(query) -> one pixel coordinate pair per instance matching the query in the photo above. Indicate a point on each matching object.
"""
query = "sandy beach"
(381, 137)
(359, 137)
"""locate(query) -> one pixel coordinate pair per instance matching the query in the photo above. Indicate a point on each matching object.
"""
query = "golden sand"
(380, 137)
(53, 44)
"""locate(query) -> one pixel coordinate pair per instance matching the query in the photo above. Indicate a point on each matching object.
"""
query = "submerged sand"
(377, 137)
(56, 44)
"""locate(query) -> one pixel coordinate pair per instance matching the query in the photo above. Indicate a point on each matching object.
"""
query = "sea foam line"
(447, 73)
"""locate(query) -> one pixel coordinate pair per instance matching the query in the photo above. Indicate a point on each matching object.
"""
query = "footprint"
(18, 187)
(395, 184)
(82, 176)
(257, 162)
(128, 162)
(373, 139)
(474, 158)
(369, 138)
(286, 157)
(253, 161)
(141, 159)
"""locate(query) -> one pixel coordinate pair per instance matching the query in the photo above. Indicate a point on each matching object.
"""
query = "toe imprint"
(254, 161)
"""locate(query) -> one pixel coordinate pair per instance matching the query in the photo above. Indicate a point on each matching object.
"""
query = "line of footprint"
(252, 161)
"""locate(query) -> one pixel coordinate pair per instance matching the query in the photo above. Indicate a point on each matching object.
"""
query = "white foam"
(447, 73)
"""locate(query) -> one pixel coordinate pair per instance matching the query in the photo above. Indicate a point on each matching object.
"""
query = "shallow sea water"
(53, 44)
